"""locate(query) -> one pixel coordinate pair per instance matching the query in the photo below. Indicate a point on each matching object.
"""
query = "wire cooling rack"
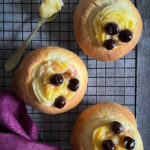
(113, 81)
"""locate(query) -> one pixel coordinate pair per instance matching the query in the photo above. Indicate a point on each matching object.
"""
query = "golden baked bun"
(107, 30)
(106, 126)
(51, 79)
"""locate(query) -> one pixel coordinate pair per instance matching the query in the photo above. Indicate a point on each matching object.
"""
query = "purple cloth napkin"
(17, 130)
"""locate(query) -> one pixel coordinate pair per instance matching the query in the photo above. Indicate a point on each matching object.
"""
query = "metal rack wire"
(113, 81)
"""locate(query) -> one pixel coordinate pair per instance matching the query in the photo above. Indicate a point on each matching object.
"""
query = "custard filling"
(45, 91)
(104, 133)
(120, 14)
(50, 7)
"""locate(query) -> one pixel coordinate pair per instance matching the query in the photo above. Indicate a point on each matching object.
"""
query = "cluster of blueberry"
(128, 142)
(113, 29)
(58, 79)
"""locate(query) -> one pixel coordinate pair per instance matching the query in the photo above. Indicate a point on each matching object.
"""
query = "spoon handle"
(15, 58)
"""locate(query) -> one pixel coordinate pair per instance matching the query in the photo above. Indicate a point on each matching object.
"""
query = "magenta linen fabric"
(17, 130)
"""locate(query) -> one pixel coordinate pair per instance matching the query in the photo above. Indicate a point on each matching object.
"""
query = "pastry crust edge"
(22, 78)
(83, 10)
(101, 112)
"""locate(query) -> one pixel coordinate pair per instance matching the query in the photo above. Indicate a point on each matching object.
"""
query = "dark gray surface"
(143, 74)
(113, 81)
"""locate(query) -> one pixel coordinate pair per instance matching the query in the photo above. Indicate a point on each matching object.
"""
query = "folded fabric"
(17, 130)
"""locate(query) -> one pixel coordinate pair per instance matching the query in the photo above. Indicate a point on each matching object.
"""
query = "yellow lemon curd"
(120, 14)
(45, 92)
(104, 133)
(50, 7)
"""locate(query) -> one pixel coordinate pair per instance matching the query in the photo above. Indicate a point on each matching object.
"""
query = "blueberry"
(73, 84)
(108, 145)
(60, 102)
(111, 28)
(125, 35)
(57, 79)
(128, 143)
(116, 127)
(109, 44)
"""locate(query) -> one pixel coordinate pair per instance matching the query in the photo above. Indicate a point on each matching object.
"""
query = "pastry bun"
(28, 80)
(86, 12)
(100, 115)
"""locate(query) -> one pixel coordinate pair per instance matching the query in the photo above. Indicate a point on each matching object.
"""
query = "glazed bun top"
(106, 30)
(55, 79)
(114, 22)
(106, 126)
